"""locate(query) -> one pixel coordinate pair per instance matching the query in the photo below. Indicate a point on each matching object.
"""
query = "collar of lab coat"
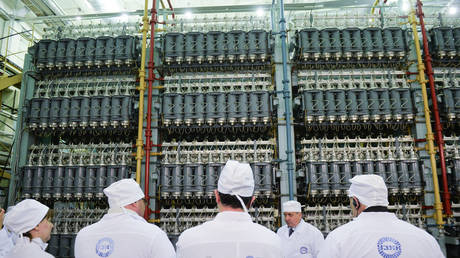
(374, 215)
(233, 216)
(299, 226)
(36, 241)
(117, 212)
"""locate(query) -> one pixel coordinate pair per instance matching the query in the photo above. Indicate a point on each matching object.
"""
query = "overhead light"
(124, 18)
(188, 15)
(260, 12)
(78, 18)
(452, 10)
(405, 6)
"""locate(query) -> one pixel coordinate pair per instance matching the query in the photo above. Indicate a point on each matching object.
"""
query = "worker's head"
(31, 219)
(235, 187)
(126, 193)
(292, 213)
(367, 191)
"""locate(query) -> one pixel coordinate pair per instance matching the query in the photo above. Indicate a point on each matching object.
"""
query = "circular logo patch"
(389, 247)
(104, 247)
(303, 250)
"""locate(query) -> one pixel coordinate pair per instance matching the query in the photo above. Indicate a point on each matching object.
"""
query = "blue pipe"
(287, 97)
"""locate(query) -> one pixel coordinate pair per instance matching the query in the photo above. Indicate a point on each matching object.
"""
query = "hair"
(232, 201)
(48, 216)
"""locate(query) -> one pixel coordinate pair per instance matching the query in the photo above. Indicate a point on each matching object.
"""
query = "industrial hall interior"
(309, 93)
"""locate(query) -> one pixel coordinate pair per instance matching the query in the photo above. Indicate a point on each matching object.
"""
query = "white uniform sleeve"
(436, 250)
(318, 243)
(161, 247)
(6, 243)
(179, 247)
(77, 247)
(330, 248)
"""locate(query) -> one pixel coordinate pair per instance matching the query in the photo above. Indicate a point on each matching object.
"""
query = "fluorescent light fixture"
(78, 18)
(405, 6)
(188, 15)
(452, 10)
(260, 12)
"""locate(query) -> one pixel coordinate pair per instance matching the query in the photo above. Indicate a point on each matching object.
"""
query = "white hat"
(25, 216)
(236, 179)
(369, 189)
(292, 206)
(123, 192)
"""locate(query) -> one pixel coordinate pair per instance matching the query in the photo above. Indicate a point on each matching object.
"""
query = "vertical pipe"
(287, 103)
(429, 133)
(438, 128)
(139, 141)
(148, 130)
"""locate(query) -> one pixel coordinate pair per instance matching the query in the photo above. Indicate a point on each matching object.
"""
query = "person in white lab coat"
(375, 232)
(231, 234)
(29, 220)
(123, 232)
(6, 239)
(298, 238)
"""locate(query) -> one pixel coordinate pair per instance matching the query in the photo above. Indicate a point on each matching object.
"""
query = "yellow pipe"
(156, 153)
(429, 132)
(140, 141)
(374, 5)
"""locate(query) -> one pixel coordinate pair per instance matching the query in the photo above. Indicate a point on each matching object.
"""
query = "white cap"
(369, 189)
(123, 192)
(25, 216)
(236, 179)
(292, 206)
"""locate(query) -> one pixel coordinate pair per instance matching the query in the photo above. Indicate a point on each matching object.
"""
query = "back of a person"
(229, 239)
(381, 234)
(117, 236)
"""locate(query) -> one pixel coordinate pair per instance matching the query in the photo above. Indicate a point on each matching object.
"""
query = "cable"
(15, 34)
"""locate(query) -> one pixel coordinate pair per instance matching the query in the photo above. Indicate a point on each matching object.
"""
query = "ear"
(252, 201)
(216, 193)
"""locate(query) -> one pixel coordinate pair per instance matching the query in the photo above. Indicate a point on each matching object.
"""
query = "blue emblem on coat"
(104, 247)
(389, 247)
(303, 250)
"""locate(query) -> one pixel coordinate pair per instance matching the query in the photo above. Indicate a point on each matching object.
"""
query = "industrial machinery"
(349, 100)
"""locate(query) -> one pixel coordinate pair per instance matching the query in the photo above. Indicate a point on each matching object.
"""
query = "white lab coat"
(26, 248)
(229, 235)
(121, 235)
(379, 234)
(305, 241)
(6, 242)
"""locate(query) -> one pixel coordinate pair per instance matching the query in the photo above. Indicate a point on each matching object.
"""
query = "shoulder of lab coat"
(26, 248)
(6, 242)
(158, 242)
(338, 240)
(208, 230)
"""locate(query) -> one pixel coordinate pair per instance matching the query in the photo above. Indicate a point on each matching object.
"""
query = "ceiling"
(82, 7)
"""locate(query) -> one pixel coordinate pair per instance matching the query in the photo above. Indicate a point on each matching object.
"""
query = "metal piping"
(287, 103)
(429, 133)
(438, 127)
(139, 141)
(148, 130)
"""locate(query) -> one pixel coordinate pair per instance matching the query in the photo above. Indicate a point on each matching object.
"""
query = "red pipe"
(148, 130)
(438, 128)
